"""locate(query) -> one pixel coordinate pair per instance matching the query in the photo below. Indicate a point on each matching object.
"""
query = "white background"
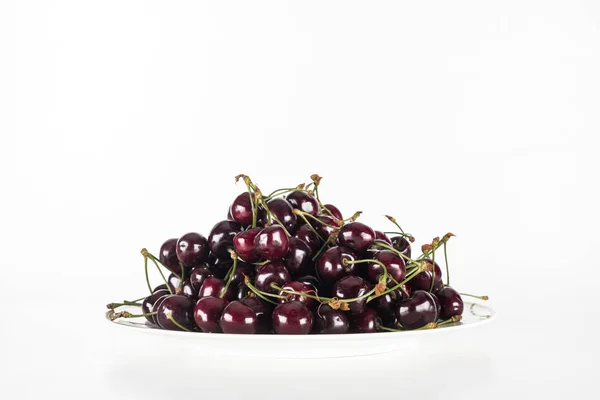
(123, 123)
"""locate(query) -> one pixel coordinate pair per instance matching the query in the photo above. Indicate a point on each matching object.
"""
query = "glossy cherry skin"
(243, 244)
(263, 311)
(213, 286)
(330, 265)
(272, 272)
(326, 230)
(178, 308)
(309, 237)
(221, 237)
(192, 249)
(301, 288)
(168, 255)
(395, 265)
(382, 237)
(238, 318)
(402, 245)
(349, 287)
(298, 260)
(157, 304)
(184, 288)
(240, 210)
(451, 302)
(284, 212)
(174, 282)
(356, 236)
(207, 313)
(198, 275)
(366, 322)
(304, 202)
(148, 303)
(334, 211)
(417, 311)
(292, 318)
(330, 321)
(423, 280)
(272, 243)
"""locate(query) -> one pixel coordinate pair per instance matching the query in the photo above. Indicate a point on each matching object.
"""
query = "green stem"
(231, 272)
(385, 328)
(452, 320)
(447, 268)
(433, 272)
(406, 235)
(260, 293)
(252, 204)
(322, 249)
(310, 296)
(410, 276)
(393, 221)
(370, 260)
(183, 328)
(386, 245)
(309, 225)
(124, 303)
(476, 297)
(161, 273)
(299, 212)
(271, 215)
(146, 272)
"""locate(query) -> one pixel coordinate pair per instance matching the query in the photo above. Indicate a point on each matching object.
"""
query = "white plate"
(315, 346)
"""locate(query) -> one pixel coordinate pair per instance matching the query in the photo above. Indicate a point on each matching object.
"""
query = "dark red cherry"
(242, 269)
(385, 306)
(334, 211)
(298, 260)
(310, 280)
(301, 288)
(396, 268)
(159, 287)
(402, 245)
(272, 272)
(176, 308)
(188, 290)
(272, 243)
(438, 305)
(192, 249)
(168, 256)
(243, 244)
(241, 292)
(184, 288)
(238, 318)
(382, 237)
(356, 236)
(330, 265)
(241, 210)
(330, 321)
(284, 212)
(350, 287)
(366, 322)
(423, 280)
(451, 302)
(174, 282)
(221, 268)
(148, 303)
(221, 237)
(157, 304)
(309, 237)
(207, 313)
(263, 311)
(213, 286)
(417, 311)
(304, 202)
(198, 275)
(292, 318)
(326, 230)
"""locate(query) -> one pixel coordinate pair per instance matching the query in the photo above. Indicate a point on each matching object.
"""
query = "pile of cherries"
(286, 263)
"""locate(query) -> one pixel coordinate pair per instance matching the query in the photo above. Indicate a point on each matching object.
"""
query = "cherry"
(385, 306)
(176, 308)
(334, 211)
(159, 287)
(438, 305)
(241, 291)
(366, 322)
(383, 237)
(242, 269)
(207, 313)
(157, 304)
(423, 280)
(309, 237)
(213, 286)
(299, 257)
(272, 243)
(350, 287)
(284, 212)
(238, 318)
(243, 244)
(395, 265)
(186, 287)
(292, 318)
(240, 210)
(263, 311)
(330, 321)
(451, 302)
(326, 230)
(310, 280)
(417, 311)
(198, 275)
(356, 236)
(272, 272)
(174, 282)
(168, 256)
(401, 244)
(192, 249)
(221, 237)
(304, 202)
(221, 268)
(148, 302)
(330, 265)
(301, 288)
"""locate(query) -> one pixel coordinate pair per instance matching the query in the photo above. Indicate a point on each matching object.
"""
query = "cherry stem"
(125, 314)
(410, 276)
(310, 296)
(370, 260)
(304, 213)
(453, 319)
(301, 215)
(393, 220)
(146, 273)
(260, 264)
(135, 303)
(161, 273)
(177, 323)
(385, 245)
(260, 293)
(385, 328)
(230, 274)
(284, 191)
(431, 325)
(476, 297)
(447, 268)
(406, 235)
(432, 271)
(252, 203)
